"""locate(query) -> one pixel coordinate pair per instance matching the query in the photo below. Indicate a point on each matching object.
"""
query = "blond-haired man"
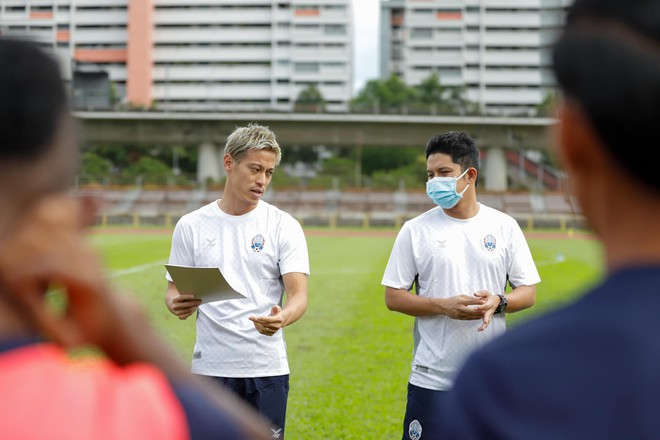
(262, 252)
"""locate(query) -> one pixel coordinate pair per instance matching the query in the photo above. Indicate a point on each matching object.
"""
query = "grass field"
(349, 355)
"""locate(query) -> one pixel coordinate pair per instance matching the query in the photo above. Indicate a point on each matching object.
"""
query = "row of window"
(279, 25)
(474, 67)
(468, 48)
(430, 33)
(263, 7)
(60, 8)
(280, 44)
(246, 82)
(238, 63)
(476, 9)
(233, 101)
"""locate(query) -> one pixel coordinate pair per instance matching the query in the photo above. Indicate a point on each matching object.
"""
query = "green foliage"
(548, 107)
(338, 166)
(429, 97)
(94, 165)
(430, 91)
(412, 175)
(298, 154)
(376, 159)
(396, 93)
(310, 99)
(370, 93)
(385, 95)
(147, 166)
(121, 164)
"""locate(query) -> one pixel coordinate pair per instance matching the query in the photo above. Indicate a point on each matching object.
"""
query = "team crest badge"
(415, 430)
(490, 243)
(258, 243)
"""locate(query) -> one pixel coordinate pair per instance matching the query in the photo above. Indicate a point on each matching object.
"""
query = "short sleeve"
(293, 256)
(522, 269)
(182, 252)
(401, 269)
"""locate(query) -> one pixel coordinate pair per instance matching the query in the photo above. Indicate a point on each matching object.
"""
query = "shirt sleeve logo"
(490, 243)
(258, 242)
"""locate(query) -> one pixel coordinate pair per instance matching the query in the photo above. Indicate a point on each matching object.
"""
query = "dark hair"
(456, 144)
(32, 99)
(608, 61)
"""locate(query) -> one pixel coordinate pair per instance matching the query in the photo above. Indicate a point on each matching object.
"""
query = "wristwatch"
(501, 308)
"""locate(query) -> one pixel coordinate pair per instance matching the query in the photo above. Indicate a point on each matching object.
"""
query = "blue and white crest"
(258, 242)
(490, 243)
(415, 430)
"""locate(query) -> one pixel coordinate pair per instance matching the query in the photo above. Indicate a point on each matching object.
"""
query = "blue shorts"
(422, 413)
(268, 395)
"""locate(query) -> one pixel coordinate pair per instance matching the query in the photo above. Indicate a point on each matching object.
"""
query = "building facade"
(497, 51)
(195, 55)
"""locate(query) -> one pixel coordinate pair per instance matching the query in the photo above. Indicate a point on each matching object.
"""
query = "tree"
(149, 169)
(430, 91)
(310, 99)
(457, 100)
(385, 159)
(378, 95)
(95, 165)
(94, 168)
(548, 106)
(397, 93)
(369, 97)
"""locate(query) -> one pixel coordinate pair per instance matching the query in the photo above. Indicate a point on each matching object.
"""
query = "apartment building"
(497, 50)
(196, 55)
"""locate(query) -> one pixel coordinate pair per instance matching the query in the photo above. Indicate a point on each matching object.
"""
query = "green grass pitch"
(349, 355)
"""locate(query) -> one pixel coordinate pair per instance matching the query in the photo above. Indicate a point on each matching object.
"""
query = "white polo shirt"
(452, 257)
(253, 251)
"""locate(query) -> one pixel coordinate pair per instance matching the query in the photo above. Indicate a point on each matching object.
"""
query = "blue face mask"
(442, 190)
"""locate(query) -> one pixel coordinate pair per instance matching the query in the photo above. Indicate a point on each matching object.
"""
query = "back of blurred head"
(38, 153)
(607, 64)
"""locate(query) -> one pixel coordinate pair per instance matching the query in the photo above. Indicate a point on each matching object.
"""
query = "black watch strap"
(501, 308)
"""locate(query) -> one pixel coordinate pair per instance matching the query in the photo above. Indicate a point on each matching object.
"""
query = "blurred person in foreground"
(590, 370)
(459, 256)
(262, 252)
(141, 390)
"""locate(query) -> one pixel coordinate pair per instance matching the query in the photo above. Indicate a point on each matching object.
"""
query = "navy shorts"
(422, 413)
(268, 395)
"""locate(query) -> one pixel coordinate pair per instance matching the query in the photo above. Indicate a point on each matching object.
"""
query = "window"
(335, 29)
(307, 67)
(421, 33)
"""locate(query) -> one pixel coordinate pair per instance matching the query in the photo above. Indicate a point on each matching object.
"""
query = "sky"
(367, 55)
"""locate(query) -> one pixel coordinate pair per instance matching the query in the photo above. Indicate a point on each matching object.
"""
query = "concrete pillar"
(209, 163)
(495, 172)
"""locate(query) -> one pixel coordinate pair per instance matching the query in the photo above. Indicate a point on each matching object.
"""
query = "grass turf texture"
(349, 356)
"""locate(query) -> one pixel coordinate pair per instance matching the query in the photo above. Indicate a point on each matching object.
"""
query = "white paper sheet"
(206, 283)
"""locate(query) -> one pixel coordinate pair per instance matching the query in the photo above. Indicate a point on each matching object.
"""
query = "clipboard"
(206, 283)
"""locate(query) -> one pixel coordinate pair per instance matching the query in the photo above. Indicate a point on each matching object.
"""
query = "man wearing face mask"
(459, 256)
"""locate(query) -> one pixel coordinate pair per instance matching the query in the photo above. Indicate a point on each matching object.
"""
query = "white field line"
(137, 269)
(559, 258)
(122, 272)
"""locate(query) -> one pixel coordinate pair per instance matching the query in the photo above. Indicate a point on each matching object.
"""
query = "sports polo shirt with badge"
(453, 257)
(252, 251)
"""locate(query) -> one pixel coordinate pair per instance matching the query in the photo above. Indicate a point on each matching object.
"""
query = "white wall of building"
(497, 49)
(209, 54)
